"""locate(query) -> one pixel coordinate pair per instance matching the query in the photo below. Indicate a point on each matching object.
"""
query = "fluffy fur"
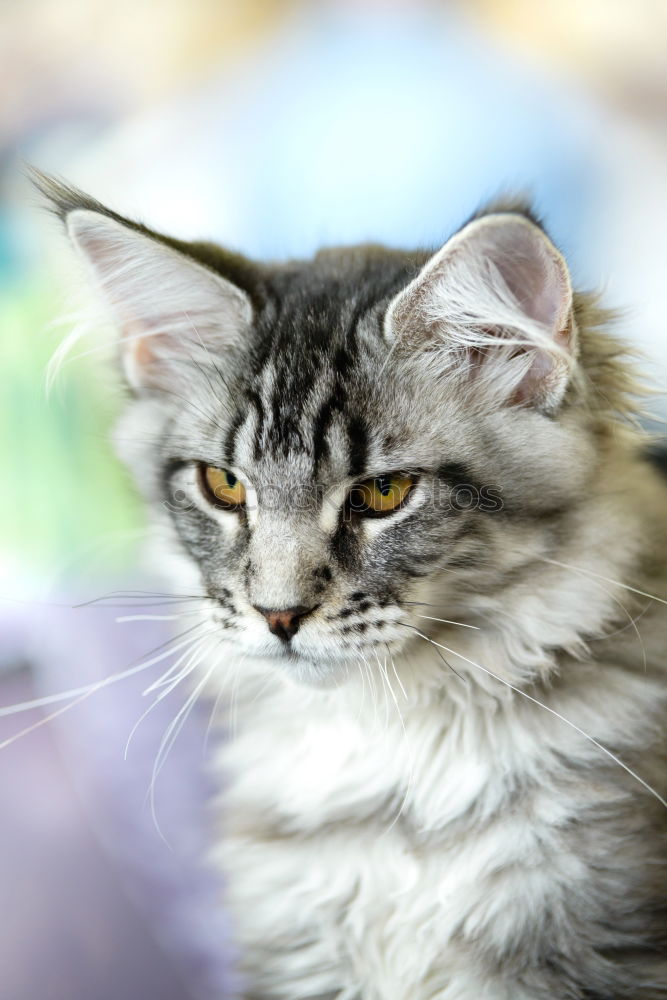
(450, 783)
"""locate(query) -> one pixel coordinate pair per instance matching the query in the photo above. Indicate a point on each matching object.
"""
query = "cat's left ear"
(493, 309)
(167, 308)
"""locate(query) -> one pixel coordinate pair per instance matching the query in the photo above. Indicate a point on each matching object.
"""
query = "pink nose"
(285, 624)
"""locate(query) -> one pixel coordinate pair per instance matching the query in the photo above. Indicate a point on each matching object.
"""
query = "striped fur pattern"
(450, 783)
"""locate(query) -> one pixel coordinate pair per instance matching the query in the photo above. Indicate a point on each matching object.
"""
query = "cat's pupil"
(231, 480)
(383, 484)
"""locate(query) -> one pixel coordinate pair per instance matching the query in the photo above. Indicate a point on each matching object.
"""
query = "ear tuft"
(167, 307)
(63, 198)
(494, 306)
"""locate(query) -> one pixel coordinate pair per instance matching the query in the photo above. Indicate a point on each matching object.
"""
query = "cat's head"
(347, 448)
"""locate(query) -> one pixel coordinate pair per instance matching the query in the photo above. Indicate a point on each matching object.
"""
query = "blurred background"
(274, 127)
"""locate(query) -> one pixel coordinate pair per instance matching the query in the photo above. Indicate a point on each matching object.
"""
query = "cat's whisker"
(631, 624)
(385, 682)
(373, 686)
(385, 671)
(48, 718)
(192, 657)
(169, 738)
(83, 696)
(463, 679)
(218, 400)
(79, 695)
(426, 604)
(172, 676)
(502, 612)
(164, 599)
(188, 402)
(605, 579)
(447, 621)
(86, 689)
(212, 718)
(262, 688)
(419, 604)
(385, 676)
(624, 628)
(404, 740)
(235, 682)
(233, 700)
(391, 690)
(393, 667)
(558, 715)
(229, 689)
(386, 689)
(381, 689)
(167, 644)
(362, 701)
(167, 678)
(211, 360)
(141, 595)
(122, 619)
(154, 604)
(222, 401)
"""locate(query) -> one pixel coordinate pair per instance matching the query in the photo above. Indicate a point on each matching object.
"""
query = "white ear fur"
(493, 307)
(166, 306)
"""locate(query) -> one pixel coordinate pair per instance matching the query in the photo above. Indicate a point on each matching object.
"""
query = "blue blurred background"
(273, 127)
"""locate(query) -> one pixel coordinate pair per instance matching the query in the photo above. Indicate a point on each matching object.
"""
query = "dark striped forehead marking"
(321, 424)
(229, 447)
(255, 401)
(357, 435)
(309, 335)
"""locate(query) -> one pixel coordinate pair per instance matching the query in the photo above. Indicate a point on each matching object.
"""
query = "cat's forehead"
(316, 306)
(304, 406)
(302, 393)
(315, 395)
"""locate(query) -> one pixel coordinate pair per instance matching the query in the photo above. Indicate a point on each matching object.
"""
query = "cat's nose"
(285, 623)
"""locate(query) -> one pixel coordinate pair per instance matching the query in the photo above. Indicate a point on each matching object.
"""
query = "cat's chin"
(308, 669)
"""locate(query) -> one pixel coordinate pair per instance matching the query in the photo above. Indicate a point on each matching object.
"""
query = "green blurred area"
(64, 496)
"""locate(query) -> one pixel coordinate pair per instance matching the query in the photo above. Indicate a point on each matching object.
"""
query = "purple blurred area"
(70, 931)
(108, 897)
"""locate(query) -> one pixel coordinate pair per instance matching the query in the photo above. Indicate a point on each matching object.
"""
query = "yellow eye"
(222, 487)
(381, 495)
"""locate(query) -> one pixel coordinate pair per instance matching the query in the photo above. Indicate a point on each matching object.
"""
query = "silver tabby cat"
(430, 549)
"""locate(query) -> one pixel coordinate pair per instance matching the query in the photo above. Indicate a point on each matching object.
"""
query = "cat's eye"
(222, 488)
(380, 495)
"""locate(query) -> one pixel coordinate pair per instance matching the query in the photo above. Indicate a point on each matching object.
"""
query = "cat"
(412, 493)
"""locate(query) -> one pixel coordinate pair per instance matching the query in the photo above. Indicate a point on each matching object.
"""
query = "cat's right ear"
(167, 308)
(492, 310)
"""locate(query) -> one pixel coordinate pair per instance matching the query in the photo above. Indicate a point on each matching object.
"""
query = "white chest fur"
(369, 841)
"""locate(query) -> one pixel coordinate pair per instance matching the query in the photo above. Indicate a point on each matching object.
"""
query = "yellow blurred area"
(616, 46)
(155, 46)
(149, 47)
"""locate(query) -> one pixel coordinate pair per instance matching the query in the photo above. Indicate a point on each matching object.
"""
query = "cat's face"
(349, 448)
(353, 497)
